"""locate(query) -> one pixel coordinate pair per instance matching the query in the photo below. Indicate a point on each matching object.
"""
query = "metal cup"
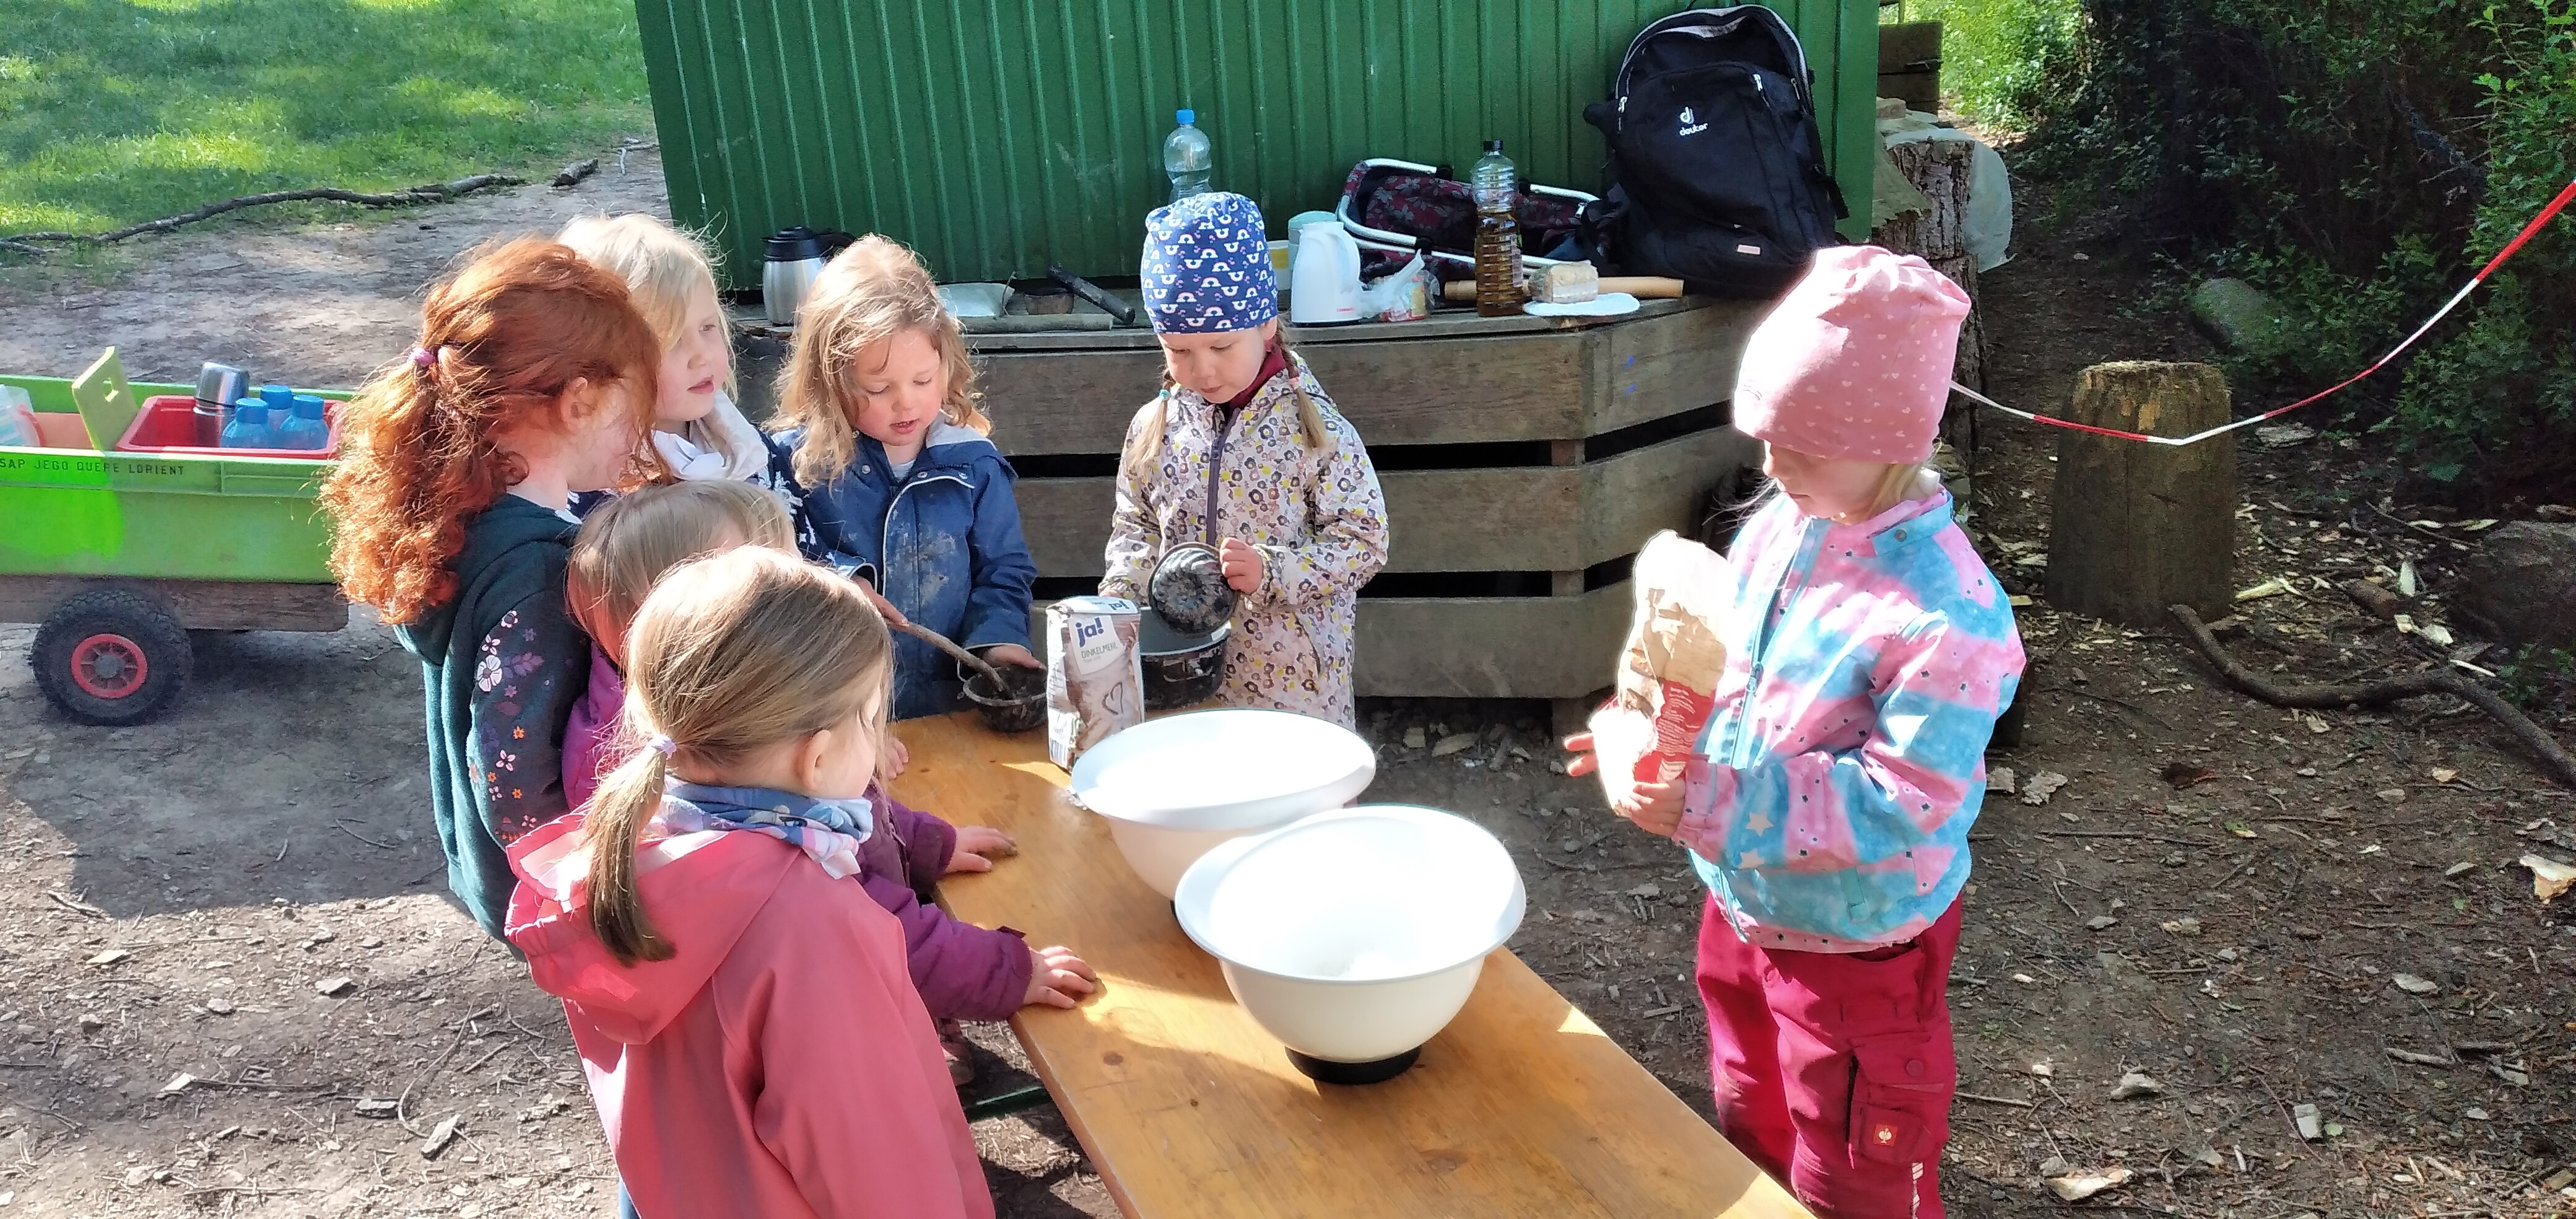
(218, 387)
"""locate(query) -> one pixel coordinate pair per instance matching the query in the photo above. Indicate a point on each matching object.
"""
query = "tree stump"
(2138, 527)
(1941, 169)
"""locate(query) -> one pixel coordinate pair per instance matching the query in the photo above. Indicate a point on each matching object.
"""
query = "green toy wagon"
(120, 535)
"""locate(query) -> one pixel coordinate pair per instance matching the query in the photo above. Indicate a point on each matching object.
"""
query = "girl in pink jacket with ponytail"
(742, 1008)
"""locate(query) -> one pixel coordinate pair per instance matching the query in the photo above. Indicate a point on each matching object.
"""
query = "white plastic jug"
(1324, 288)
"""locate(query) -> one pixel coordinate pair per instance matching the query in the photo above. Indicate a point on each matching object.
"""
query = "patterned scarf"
(828, 830)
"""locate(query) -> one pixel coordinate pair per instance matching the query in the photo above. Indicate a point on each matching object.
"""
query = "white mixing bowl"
(1175, 786)
(1355, 935)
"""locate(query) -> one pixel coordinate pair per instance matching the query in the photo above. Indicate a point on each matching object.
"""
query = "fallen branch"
(433, 192)
(2381, 693)
(70, 903)
(1993, 1100)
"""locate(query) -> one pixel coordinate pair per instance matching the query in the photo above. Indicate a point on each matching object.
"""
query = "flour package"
(1095, 674)
(1668, 673)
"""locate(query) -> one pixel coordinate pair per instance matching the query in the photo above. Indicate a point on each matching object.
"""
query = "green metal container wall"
(999, 136)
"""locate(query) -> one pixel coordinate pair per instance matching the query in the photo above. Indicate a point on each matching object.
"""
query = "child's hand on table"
(977, 846)
(1058, 978)
(1241, 564)
(1010, 654)
(1655, 807)
(892, 757)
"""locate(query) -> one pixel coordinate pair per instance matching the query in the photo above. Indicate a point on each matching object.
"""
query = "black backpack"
(1716, 174)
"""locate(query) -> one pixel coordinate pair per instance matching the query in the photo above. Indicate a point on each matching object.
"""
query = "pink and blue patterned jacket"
(1829, 805)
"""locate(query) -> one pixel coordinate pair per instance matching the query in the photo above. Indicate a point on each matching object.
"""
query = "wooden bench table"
(1187, 1108)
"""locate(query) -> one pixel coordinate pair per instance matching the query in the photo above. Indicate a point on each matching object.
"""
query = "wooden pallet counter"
(1524, 463)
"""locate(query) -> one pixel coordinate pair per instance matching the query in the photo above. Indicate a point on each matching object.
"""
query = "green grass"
(1995, 53)
(118, 111)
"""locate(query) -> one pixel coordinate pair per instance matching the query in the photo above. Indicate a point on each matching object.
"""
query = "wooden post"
(2138, 527)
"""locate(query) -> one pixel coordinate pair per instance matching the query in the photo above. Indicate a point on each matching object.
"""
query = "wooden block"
(2138, 527)
(1495, 518)
(1185, 1107)
(200, 605)
(1463, 388)
(1908, 46)
(1490, 647)
(1920, 90)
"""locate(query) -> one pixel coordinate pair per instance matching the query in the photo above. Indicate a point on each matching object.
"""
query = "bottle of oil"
(1498, 235)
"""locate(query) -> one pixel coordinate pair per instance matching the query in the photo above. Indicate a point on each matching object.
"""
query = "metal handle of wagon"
(1404, 243)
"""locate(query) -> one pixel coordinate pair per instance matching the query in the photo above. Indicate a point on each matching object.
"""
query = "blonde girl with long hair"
(752, 1036)
(698, 432)
(1242, 450)
(896, 481)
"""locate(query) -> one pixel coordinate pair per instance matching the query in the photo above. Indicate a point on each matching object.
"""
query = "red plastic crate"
(167, 424)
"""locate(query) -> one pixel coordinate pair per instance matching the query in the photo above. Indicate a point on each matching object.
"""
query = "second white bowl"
(1355, 935)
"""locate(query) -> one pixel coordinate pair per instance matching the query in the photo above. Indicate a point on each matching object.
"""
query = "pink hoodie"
(779, 1064)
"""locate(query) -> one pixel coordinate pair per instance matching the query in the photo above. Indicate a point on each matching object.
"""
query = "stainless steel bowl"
(1180, 670)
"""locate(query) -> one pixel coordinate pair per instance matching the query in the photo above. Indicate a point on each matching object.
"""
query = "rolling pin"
(1643, 287)
(1121, 311)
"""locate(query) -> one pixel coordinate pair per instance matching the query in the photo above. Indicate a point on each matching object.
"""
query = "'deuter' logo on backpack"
(1690, 125)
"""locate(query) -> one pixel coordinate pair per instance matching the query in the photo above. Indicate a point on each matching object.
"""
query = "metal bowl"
(1180, 670)
(1018, 709)
(1188, 590)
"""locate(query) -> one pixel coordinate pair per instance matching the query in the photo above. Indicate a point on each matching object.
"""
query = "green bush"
(1998, 56)
(2358, 160)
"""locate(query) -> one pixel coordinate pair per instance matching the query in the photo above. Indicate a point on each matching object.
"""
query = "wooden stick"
(1643, 287)
(2380, 693)
(973, 661)
(428, 193)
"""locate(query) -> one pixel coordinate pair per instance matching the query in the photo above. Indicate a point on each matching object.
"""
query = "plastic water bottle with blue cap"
(305, 427)
(250, 428)
(1187, 157)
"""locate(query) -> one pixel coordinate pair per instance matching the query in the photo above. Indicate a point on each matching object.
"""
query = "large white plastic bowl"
(1175, 786)
(1354, 936)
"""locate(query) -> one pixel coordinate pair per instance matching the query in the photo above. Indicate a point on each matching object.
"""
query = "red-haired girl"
(534, 378)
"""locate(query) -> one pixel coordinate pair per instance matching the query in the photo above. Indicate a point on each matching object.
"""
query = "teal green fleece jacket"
(501, 666)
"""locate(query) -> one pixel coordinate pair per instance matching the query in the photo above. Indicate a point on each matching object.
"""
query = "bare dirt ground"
(183, 898)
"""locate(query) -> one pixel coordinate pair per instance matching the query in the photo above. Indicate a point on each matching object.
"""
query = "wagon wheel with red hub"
(111, 656)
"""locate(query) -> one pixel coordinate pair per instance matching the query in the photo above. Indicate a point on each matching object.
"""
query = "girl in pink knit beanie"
(1827, 804)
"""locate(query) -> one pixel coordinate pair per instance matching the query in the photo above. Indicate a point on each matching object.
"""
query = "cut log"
(2140, 527)
(1941, 170)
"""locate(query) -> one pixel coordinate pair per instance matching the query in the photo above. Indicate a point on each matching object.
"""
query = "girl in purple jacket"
(964, 972)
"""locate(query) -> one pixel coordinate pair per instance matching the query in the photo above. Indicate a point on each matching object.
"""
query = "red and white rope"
(2546, 214)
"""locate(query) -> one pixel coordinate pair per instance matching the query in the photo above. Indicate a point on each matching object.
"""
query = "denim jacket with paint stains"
(942, 543)
(1844, 760)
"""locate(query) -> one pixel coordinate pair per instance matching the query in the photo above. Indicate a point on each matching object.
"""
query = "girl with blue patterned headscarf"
(1243, 451)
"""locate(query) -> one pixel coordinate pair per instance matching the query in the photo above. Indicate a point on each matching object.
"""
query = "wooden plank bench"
(1520, 1107)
